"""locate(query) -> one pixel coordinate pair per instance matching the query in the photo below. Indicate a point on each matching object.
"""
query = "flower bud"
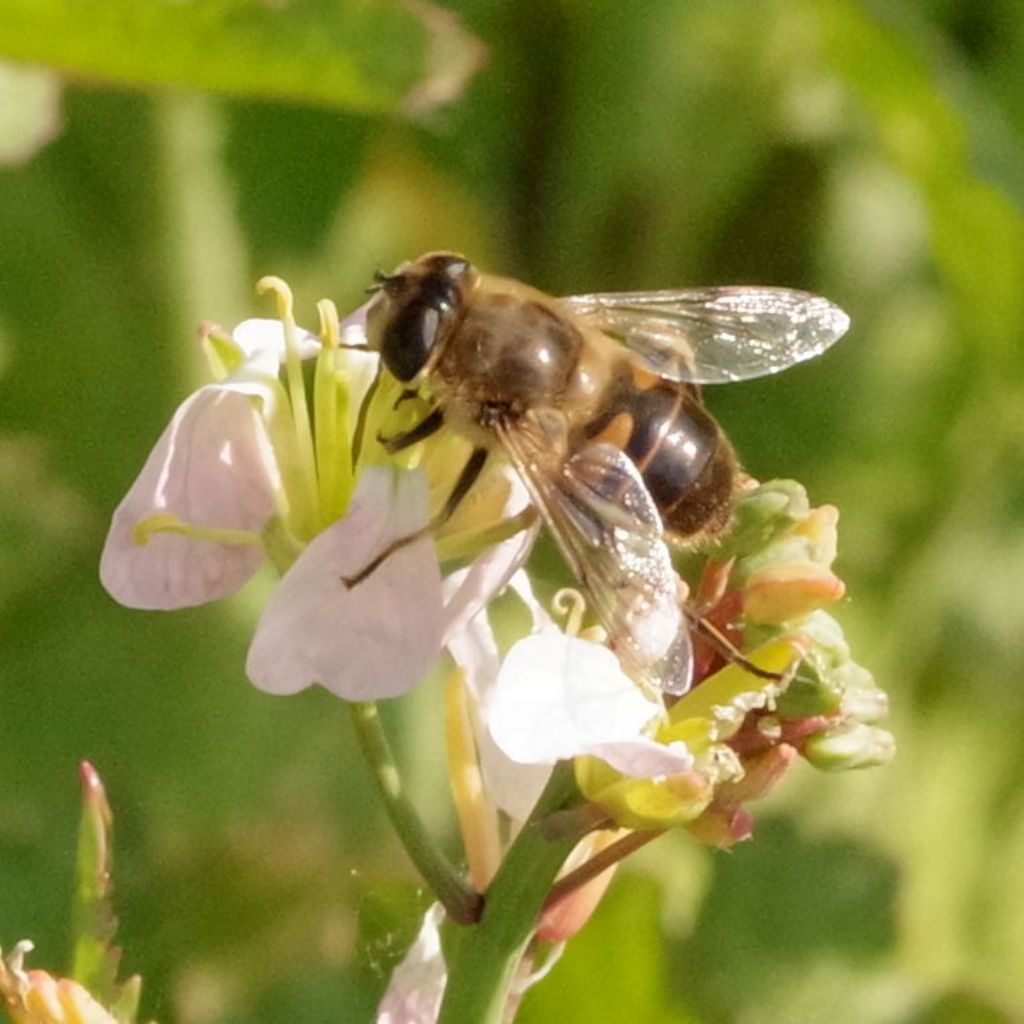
(763, 514)
(789, 591)
(863, 700)
(722, 827)
(761, 774)
(561, 920)
(643, 803)
(35, 997)
(850, 745)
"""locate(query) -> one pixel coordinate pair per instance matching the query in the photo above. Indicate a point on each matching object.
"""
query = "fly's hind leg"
(725, 647)
(467, 477)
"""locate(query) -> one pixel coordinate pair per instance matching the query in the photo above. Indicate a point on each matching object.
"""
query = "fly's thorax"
(513, 351)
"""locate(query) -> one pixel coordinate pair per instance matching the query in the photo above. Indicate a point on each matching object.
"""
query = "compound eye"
(410, 338)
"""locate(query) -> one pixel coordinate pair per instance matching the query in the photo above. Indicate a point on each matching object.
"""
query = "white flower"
(559, 696)
(553, 697)
(417, 984)
(243, 473)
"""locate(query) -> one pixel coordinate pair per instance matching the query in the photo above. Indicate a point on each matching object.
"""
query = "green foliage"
(863, 151)
(358, 55)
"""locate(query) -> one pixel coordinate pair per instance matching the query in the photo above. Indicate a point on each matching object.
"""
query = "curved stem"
(482, 959)
(462, 904)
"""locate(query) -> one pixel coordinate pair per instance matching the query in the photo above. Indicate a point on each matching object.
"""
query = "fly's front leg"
(431, 424)
(468, 476)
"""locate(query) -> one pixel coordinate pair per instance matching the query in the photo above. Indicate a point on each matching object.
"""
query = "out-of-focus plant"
(91, 993)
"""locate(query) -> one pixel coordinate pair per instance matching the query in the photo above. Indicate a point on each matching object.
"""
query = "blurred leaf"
(965, 1008)
(95, 960)
(390, 916)
(373, 55)
(779, 905)
(977, 233)
(29, 111)
(291, 165)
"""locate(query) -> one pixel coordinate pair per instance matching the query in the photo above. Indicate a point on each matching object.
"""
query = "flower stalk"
(462, 903)
(483, 959)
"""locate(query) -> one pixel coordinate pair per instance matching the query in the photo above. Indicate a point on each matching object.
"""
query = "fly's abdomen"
(684, 458)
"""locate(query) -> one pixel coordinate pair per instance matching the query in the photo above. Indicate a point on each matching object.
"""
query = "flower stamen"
(570, 603)
(477, 820)
(334, 465)
(297, 397)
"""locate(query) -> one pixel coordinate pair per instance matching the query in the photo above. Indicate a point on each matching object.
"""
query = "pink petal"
(373, 640)
(212, 466)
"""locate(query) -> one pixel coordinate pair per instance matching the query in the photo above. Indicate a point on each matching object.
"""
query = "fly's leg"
(467, 477)
(431, 424)
(725, 647)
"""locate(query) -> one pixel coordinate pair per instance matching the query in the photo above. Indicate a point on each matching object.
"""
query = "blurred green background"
(871, 152)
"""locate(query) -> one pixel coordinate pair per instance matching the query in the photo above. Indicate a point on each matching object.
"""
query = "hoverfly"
(595, 402)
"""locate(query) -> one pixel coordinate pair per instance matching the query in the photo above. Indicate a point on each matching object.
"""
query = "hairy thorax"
(511, 352)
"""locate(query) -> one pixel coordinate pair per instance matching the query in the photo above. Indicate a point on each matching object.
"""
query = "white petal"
(360, 370)
(513, 787)
(417, 984)
(212, 467)
(542, 621)
(644, 758)
(559, 696)
(468, 591)
(262, 340)
(353, 328)
(376, 639)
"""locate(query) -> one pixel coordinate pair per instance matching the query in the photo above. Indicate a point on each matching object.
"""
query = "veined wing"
(716, 335)
(608, 529)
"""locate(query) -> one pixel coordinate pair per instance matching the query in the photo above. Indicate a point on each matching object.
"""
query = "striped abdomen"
(686, 461)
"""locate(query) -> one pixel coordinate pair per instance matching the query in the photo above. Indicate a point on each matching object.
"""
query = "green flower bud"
(850, 745)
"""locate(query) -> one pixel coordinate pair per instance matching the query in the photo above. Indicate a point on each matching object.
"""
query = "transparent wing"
(608, 528)
(716, 335)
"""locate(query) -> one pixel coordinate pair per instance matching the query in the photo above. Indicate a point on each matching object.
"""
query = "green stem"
(482, 959)
(460, 902)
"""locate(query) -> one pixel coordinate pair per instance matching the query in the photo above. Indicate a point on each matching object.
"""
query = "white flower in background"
(417, 984)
